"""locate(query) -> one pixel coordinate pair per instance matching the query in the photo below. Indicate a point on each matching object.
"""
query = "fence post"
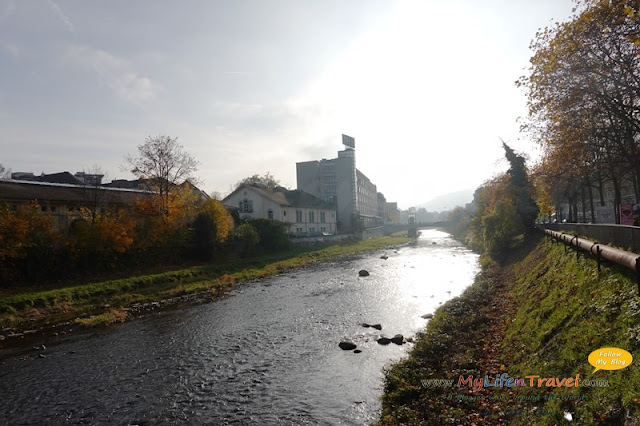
(599, 257)
(638, 273)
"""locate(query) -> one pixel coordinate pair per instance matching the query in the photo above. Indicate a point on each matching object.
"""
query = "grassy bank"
(540, 313)
(113, 300)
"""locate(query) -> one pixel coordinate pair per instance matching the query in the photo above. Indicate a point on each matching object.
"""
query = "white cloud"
(64, 18)
(117, 74)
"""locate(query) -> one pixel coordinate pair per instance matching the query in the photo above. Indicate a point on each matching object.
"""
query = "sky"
(426, 87)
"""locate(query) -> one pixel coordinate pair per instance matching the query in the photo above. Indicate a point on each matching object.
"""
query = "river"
(265, 355)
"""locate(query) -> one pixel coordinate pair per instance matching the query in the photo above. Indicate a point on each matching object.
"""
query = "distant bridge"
(391, 228)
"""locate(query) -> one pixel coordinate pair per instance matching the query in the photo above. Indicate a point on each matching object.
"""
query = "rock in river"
(398, 339)
(363, 273)
(384, 340)
(376, 326)
(346, 345)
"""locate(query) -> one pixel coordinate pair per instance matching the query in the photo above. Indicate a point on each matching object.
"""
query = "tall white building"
(338, 181)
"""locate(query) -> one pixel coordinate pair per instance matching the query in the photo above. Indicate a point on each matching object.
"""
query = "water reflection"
(268, 354)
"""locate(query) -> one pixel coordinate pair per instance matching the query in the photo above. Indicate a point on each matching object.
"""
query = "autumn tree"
(504, 208)
(164, 229)
(210, 229)
(584, 100)
(164, 164)
(93, 193)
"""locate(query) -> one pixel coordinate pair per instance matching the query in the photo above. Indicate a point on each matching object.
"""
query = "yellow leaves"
(115, 232)
(221, 217)
(13, 232)
(629, 11)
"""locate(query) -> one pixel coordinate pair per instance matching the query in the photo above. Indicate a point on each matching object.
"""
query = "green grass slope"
(539, 314)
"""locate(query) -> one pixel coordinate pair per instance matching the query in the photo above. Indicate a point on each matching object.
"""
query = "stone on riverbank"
(363, 273)
(427, 316)
(398, 339)
(384, 341)
(376, 326)
(345, 345)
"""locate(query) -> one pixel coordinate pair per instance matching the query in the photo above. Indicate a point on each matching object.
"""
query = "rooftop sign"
(348, 141)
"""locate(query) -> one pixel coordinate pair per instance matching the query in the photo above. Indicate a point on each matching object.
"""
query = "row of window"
(54, 209)
(330, 189)
(312, 216)
(311, 229)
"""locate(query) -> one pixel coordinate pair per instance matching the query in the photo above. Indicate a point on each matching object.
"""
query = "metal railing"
(624, 236)
(601, 252)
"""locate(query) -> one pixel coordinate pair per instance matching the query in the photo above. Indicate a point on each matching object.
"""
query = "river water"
(265, 355)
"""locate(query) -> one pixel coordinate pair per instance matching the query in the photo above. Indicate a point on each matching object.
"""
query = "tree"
(273, 234)
(93, 193)
(163, 162)
(505, 208)
(248, 237)
(520, 189)
(4, 172)
(267, 180)
(584, 103)
(204, 236)
(211, 228)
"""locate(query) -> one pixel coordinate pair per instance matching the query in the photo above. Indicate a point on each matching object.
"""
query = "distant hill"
(448, 201)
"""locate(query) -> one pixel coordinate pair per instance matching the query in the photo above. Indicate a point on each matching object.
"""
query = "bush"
(203, 239)
(248, 237)
(273, 234)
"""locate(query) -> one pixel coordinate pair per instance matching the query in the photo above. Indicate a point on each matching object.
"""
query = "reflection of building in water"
(338, 181)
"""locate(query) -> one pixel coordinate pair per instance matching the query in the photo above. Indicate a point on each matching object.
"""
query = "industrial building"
(338, 181)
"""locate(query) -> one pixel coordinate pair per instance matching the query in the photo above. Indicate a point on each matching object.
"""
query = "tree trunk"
(593, 217)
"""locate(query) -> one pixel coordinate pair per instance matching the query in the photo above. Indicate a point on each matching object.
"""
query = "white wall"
(262, 204)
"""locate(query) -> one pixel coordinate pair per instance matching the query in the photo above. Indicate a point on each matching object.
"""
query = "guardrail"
(623, 258)
(618, 235)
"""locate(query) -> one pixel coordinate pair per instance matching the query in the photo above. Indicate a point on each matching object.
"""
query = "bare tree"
(94, 194)
(4, 172)
(164, 164)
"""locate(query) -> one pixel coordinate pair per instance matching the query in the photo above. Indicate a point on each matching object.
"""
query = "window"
(284, 213)
(270, 214)
(43, 208)
(299, 216)
(53, 209)
(322, 218)
(311, 217)
(246, 206)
